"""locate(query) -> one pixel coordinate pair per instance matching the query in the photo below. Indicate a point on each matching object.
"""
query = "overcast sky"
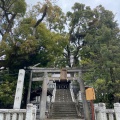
(113, 5)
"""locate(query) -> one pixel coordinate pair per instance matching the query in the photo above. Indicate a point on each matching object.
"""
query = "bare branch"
(3, 4)
(11, 22)
(1, 33)
(65, 55)
(40, 20)
(6, 15)
(11, 4)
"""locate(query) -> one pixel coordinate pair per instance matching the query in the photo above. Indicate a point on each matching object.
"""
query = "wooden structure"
(63, 74)
(90, 94)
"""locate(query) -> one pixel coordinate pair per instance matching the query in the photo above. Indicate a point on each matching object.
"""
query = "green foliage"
(102, 48)
(19, 6)
(10, 12)
(7, 91)
(78, 21)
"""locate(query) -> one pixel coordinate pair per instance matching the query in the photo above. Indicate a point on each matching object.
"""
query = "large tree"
(100, 54)
(94, 39)
(10, 13)
(77, 21)
(29, 41)
(34, 37)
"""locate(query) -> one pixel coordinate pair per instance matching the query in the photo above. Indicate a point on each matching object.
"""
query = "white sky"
(113, 5)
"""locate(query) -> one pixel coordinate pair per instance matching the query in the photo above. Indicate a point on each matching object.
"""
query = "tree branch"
(3, 2)
(40, 20)
(10, 22)
(3, 5)
(1, 33)
(6, 15)
(10, 4)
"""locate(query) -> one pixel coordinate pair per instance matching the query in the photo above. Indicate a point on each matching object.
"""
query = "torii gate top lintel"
(71, 71)
(54, 70)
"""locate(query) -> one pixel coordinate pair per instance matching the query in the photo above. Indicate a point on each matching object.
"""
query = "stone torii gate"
(45, 78)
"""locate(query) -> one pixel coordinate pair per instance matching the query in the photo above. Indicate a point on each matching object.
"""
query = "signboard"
(90, 94)
(63, 74)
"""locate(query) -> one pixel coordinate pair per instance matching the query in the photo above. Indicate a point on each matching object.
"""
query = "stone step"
(64, 112)
(63, 95)
(63, 107)
(67, 110)
(64, 116)
(63, 103)
(65, 119)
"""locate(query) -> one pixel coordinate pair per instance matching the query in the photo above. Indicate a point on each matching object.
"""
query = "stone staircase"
(63, 107)
(63, 95)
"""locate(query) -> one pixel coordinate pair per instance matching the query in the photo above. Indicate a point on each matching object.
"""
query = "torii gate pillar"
(43, 97)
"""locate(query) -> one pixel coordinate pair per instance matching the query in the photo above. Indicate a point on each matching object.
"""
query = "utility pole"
(84, 101)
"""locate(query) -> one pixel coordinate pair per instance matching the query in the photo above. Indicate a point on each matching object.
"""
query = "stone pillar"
(34, 112)
(55, 85)
(96, 113)
(101, 113)
(1, 116)
(7, 117)
(19, 89)
(83, 95)
(53, 93)
(117, 110)
(72, 95)
(20, 117)
(29, 88)
(29, 112)
(110, 116)
(43, 97)
(14, 116)
(79, 96)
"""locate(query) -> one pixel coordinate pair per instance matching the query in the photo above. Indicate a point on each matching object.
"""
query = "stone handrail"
(72, 95)
(19, 114)
(53, 97)
(101, 113)
(12, 114)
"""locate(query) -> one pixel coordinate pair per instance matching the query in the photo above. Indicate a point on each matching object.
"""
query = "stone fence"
(19, 114)
(101, 113)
